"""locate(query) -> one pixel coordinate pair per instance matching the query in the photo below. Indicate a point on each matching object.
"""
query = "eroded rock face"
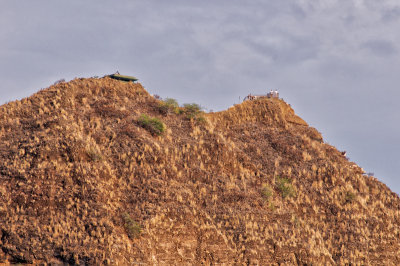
(82, 182)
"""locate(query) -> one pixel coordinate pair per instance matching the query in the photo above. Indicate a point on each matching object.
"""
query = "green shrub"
(171, 102)
(285, 187)
(201, 119)
(94, 155)
(163, 109)
(349, 197)
(154, 125)
(193, 111)
(272, 206)
(133, 228)
(266, 192)
(168, 105)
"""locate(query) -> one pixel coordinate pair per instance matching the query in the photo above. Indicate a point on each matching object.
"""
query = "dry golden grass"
(74, 162)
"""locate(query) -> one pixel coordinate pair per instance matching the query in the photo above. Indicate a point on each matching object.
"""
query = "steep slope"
(82, 182)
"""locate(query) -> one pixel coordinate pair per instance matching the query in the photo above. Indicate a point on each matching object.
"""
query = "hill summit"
(98, 171)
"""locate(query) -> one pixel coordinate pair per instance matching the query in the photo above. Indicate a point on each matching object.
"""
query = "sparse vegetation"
(168, 105)
(133, 228)
(154, 125)
(267, 192)
(349, 197)
(193, 111)
(285, 187)
(201, 194)
(94, 155)
(272, 206)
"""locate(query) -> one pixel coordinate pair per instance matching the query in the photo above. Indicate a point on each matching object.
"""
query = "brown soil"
(250, 185)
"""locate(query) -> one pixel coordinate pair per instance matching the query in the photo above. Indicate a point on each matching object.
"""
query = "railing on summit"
(271, 94)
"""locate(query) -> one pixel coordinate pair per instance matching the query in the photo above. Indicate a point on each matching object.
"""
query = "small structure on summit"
(122, 77)
(271, 94)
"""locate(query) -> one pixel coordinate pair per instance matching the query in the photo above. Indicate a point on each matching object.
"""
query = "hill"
(85, 178)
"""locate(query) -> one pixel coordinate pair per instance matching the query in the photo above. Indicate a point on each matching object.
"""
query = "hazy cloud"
(391, 15)
(380, 47)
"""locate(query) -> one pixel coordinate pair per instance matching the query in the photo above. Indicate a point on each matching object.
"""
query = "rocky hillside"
(85, 178)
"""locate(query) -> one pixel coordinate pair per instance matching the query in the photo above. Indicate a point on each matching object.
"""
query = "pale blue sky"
(335, 61)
